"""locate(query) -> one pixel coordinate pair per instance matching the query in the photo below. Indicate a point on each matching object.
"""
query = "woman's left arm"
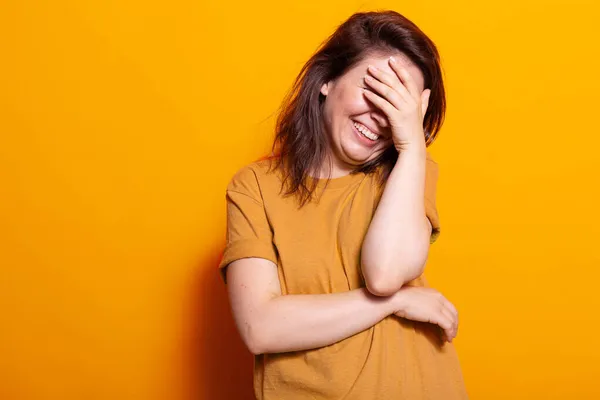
(396, 245)
(395, 248)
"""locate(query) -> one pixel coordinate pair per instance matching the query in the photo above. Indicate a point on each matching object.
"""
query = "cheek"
(351, 101)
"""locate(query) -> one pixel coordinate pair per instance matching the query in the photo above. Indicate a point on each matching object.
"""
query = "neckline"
(339, 182)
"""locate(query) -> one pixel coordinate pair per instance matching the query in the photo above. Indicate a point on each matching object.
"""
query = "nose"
(380, 119)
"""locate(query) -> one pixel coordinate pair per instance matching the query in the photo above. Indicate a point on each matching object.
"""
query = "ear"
(325, 89)
(425, 101)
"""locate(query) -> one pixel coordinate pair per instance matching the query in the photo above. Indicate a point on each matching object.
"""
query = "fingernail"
(393, 60)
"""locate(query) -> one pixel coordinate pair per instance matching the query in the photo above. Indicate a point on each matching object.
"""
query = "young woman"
(327, 239)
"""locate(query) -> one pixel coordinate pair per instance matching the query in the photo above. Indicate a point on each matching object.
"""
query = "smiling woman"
(327, 239)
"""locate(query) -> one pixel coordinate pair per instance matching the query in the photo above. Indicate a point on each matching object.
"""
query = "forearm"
(396, 245)
(307, 321)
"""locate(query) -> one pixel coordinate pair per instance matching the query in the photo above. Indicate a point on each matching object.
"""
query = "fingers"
(429, 305)
(398, 92)
(385, 91)
(381, 103)
(452, 308)
(453, 326)
(451, 312)
(390, 85)
(407, 80)
(444, 320)
(448, 315)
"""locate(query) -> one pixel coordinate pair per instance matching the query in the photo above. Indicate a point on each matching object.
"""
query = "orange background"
(122, 122)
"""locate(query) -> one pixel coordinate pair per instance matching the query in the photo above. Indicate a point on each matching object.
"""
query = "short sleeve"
(249, 233)
(431, 178)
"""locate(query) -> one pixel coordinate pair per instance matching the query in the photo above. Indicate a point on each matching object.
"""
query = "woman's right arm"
(270, 322)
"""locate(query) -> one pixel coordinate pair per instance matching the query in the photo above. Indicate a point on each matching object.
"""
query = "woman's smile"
(364, 136)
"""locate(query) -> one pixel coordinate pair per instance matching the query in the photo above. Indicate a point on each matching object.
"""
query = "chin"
(357, 156)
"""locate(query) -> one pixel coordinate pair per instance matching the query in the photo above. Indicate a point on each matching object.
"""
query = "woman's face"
(345, 105)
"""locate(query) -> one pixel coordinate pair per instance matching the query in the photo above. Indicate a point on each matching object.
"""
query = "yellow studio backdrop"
(121, 123)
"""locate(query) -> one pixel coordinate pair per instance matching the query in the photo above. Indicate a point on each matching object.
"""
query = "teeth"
(365, 131)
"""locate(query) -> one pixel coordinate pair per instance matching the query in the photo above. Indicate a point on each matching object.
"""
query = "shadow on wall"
(220, 366)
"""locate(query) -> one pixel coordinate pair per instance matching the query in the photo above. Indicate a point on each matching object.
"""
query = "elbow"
(383, 281)
(254, 340)
(255, 349)
(387, 281)
(383, 287)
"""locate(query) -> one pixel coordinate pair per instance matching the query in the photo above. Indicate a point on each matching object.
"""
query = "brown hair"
(301, 143)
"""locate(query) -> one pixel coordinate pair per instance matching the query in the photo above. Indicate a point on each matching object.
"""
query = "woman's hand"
(399, 98)
(427, 305)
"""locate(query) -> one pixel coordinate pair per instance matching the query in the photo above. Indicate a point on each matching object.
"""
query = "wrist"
(387, 305)
(398, 301)
(416, 149)
(417, 142)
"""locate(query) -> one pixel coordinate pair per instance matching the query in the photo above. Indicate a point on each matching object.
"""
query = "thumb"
(425, 101)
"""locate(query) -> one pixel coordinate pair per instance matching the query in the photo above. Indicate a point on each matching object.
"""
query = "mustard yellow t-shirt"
(317, 250)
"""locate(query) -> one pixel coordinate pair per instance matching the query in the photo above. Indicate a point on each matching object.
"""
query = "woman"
(327, 240)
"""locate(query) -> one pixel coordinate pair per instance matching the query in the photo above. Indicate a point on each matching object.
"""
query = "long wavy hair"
(301, 143)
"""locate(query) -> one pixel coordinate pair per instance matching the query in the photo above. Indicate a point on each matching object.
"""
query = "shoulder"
(431, 166)
(252, 178)
(430, 159)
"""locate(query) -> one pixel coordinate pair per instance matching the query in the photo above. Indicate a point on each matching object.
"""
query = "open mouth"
(365, 132)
